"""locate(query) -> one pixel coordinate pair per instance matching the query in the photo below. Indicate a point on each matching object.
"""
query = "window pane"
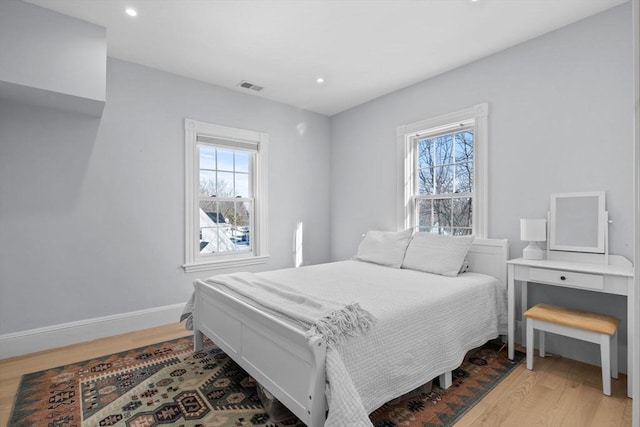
(224, 226)
(461, 212)
(207, 156)
(242, 185)
(227, 209)
(464, 177)
(211, 228)
(238, 218)
(435, 230)
(461, 231)
(425, 181)
(241, 225)
(243, 214)
(464, 146)
(207, 183)
(212, 211)
(242, 161)
(442, 212)
(425, 154)
(424, 208)
(225, 159)
(444, 179)
(225, 184)
(443, 148)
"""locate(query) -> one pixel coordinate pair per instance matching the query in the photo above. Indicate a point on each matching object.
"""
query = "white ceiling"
(362, 48)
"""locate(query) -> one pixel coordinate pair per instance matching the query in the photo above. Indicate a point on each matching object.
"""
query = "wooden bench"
(584, 325)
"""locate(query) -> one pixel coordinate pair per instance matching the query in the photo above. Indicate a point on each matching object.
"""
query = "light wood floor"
(559, 392)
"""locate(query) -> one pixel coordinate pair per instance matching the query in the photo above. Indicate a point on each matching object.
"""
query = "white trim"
(225, 263)
(236, 145)
(635, 289)
(259, 255)
(32, 340)
(405, 135)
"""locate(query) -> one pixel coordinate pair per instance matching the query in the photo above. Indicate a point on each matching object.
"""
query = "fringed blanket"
(332, 321)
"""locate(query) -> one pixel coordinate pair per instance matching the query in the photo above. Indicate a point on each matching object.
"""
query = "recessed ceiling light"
(320, 80)
(131, 11)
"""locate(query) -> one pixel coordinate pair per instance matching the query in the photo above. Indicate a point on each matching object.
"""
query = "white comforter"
(424, 324)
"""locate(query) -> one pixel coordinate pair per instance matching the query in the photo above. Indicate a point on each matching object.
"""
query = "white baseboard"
(19, 343)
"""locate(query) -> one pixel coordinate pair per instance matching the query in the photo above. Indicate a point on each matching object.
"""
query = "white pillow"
(436, 253)
(384, 247)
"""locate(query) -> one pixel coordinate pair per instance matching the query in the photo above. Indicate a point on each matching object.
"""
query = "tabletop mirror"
(578, 222)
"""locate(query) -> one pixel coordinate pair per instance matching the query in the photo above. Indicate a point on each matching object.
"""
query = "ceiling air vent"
(245, 84)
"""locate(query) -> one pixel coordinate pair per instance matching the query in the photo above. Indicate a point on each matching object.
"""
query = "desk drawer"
(567, 278)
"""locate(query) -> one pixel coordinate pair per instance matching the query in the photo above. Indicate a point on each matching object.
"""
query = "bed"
(424, 325)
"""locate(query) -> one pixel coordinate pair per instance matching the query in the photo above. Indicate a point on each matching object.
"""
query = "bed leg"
(197, 340)
(445, 380)
(317, 408)
(317, 420)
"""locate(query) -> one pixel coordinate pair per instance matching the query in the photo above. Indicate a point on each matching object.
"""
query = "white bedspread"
(425, 324)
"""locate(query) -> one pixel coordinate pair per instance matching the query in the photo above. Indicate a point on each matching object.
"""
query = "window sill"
(225, 263)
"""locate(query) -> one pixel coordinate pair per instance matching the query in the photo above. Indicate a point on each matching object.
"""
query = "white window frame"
(406, 135)
(259, 254)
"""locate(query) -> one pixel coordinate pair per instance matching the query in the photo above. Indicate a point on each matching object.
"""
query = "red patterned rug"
(167, 384)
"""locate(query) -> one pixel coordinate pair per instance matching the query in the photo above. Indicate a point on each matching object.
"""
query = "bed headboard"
(489, 256)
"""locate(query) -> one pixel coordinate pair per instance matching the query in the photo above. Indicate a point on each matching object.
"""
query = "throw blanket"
(334, 322)
(319, 317)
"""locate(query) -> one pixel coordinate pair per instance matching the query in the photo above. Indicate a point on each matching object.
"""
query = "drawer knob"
(563, 278)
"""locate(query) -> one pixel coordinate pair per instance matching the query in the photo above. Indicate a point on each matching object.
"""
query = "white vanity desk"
(579, 271)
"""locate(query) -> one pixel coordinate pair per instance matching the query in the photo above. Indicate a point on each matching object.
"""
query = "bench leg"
(605, 356)
(530, 344)
(541, 348)
(614, 355)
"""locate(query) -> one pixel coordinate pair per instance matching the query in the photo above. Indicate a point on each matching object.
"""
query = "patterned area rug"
(167, 384)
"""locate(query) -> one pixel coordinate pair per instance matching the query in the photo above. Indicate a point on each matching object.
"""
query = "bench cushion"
(586, 320)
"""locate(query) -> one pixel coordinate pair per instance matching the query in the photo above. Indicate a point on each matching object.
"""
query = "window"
(225, 203)
(444, 173)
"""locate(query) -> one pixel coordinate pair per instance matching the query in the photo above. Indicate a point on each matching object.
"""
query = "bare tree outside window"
(443, 197)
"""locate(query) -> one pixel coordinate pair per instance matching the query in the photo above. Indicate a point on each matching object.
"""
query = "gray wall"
(560, 120)
(92, 211)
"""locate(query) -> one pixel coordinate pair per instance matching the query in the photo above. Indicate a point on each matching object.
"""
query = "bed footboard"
(276, 354)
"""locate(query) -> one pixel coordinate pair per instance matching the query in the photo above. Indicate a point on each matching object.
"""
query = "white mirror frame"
(558, 220)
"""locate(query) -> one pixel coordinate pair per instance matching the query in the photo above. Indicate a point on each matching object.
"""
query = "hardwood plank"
(626, 417)
(577, 406)
(506, 398)
(535, 407)
(610, 412)
(474, 414)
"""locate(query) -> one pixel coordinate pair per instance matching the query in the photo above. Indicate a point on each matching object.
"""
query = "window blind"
(229, 143)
